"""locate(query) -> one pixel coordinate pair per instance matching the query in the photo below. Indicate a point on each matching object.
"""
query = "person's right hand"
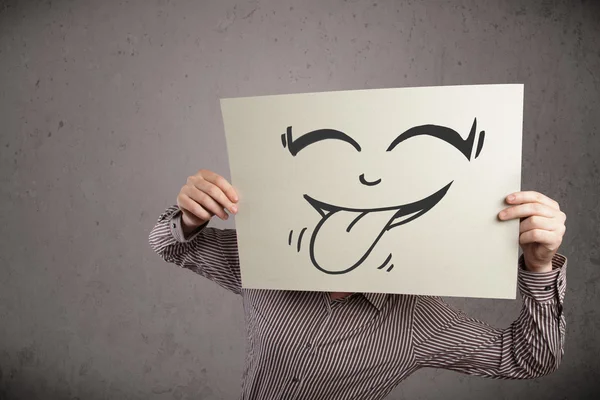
(204, 195)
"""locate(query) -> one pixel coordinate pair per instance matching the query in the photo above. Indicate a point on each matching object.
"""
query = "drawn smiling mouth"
(352, 233)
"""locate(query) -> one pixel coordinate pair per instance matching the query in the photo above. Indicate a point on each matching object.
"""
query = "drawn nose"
(362, 180)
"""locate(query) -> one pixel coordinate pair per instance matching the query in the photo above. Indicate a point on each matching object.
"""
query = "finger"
(190, 218)
(537, 222)
(531, 197)
(222, 184)
(548, 239)
(527, 210)
(216, 194)
(186, 204)
(206, 201)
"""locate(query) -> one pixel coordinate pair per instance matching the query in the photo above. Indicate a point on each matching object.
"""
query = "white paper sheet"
(388, 190)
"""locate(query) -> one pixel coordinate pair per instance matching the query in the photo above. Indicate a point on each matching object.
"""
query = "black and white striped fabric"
(303, 345)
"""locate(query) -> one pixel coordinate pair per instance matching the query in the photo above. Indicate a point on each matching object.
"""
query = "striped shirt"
(303, 345)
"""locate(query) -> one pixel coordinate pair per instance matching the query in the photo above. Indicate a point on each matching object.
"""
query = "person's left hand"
(541, 230)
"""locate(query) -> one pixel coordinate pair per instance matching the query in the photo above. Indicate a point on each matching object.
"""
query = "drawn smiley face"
(370, 223)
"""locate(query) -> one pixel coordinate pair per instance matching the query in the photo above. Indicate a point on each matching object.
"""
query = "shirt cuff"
(176, 226)
(544, 287)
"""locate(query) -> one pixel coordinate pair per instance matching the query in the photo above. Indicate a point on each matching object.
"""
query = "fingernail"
(511, 197)
(233, 208)
(502, 214)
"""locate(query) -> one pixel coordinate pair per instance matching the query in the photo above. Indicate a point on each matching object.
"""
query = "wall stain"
(159, 390)
(84, 369)
(250, 13)
(26, 356)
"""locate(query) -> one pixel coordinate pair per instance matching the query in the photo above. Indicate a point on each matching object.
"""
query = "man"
(315, 345)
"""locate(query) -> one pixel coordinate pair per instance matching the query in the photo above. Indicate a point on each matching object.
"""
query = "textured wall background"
(107, 106)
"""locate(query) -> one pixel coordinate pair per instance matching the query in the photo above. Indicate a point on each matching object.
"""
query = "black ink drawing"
(393, 216)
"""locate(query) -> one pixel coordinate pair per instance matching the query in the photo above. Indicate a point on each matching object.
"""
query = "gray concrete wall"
(107, 106)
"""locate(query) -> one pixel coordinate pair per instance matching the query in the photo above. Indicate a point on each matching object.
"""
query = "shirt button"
(308, 345)
(548, 288)
(174, 225)
(295, 380)
(560, 282)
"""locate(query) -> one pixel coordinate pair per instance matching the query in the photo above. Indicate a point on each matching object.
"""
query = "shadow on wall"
(27, 383)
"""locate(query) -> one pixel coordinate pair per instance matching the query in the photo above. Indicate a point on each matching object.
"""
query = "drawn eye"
(450, 136)
(295, 145)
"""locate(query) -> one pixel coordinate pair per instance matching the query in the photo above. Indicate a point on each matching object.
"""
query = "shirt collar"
(376, 299)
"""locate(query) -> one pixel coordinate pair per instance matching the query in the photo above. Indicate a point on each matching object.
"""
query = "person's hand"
(204, 195)
(542, 227)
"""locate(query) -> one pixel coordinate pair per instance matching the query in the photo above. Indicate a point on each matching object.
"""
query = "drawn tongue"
(336, 249)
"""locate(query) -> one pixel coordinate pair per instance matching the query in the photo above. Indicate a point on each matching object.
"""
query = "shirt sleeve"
(210, 252)
(532, 346)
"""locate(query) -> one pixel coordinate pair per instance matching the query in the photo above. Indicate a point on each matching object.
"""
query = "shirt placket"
(307, 351)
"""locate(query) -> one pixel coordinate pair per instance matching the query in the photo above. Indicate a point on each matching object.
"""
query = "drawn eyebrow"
(295, 145)
(465, 146)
